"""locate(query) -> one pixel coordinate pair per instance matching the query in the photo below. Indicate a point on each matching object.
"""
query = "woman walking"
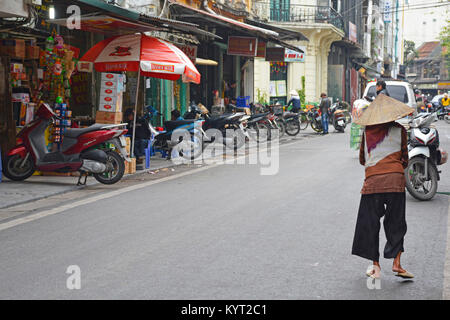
(384, 153)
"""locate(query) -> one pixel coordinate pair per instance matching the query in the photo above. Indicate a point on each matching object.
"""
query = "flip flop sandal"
(404, 275)
(370, 272)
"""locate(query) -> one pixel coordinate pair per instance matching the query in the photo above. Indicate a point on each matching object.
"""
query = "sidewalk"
(39, 187)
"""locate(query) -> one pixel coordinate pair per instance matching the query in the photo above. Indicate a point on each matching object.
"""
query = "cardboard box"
(32, 52)
(111, 102)
(112, 80)
(14, 48)
(128, 146)
(130, 167)
(109, 117)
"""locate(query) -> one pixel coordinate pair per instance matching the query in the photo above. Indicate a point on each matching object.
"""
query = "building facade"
(429, 72)
(321, 24)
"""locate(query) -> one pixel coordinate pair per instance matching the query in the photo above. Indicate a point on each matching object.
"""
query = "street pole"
(135, 111)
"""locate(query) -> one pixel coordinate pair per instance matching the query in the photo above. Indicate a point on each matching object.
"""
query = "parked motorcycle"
(184, 135)
(443, 113)
(337, 116)
(230, 128)
(315, 118)
(259, 128)
(425, 156)
(86, 150)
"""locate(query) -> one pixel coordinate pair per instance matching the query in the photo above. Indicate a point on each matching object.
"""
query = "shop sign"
(190, 51)
(242, 46)
(443, 85)
(84, 66)
(295, 56)
(275, 54)
(261, 50)
(387, 10)
(352, 33)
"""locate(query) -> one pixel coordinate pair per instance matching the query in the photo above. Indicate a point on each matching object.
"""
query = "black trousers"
(371, 209)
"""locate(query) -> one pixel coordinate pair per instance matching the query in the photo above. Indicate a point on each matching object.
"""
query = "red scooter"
(87, 150)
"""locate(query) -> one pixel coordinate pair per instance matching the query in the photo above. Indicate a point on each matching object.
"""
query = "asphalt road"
(227, 232)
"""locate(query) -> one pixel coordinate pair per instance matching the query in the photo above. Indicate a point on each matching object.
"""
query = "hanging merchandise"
(49, 44)
(62, 123)
(57, 64)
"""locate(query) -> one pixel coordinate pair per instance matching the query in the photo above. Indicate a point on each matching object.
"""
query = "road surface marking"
(107, 195)
(40, 215)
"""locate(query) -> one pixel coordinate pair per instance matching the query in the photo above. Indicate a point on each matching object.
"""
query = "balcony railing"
(298, 13)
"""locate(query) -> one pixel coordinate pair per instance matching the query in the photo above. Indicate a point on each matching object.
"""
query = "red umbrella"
(155, 57)
(149, 56)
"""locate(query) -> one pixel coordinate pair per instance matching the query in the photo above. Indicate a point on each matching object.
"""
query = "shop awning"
(210, 18)
(129, 21)
(108, 25)
(285, 34)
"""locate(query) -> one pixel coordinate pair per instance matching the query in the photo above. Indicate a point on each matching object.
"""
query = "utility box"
(13, 8)
(147, 7)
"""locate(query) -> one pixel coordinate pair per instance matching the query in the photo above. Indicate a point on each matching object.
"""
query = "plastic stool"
(148, 154)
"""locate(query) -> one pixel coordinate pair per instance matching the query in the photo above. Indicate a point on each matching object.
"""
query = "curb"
(75, 187)
(127, 176)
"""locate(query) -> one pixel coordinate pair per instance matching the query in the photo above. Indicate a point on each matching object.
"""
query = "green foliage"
(445, 41)
(302, 92)
(409, 51)
(261, 97)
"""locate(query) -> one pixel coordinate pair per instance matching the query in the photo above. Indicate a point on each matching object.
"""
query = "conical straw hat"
(293, 93)
(382, 110)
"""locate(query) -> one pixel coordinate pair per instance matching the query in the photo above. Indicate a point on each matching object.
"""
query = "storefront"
(235, 52)
(41, 64)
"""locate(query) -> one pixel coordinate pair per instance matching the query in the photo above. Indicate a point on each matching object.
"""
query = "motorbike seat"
(289, 114)
(258, 115)
(75, 133)
(172, 125)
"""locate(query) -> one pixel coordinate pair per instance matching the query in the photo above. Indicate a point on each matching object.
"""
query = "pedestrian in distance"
(384, 153)
(381, 88)
(294, 101)
(325, 105)
(142, 134)
(445, 101)
(176, 116)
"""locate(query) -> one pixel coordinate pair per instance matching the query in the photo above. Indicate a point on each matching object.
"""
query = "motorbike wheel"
(316, 127)
(259, 132)
(12, 168)
(339, 128)
(292, 127)
(115, 169)
(238, 140)
(303, 121)
(416, 185)
(195, 148)
(281, 127)
(447, 119)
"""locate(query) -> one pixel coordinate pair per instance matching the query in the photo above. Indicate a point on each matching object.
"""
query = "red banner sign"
(275, 54)
(261, 51)
(242, 46)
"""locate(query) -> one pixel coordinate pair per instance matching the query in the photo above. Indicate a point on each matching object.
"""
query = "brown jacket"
(376, 144)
